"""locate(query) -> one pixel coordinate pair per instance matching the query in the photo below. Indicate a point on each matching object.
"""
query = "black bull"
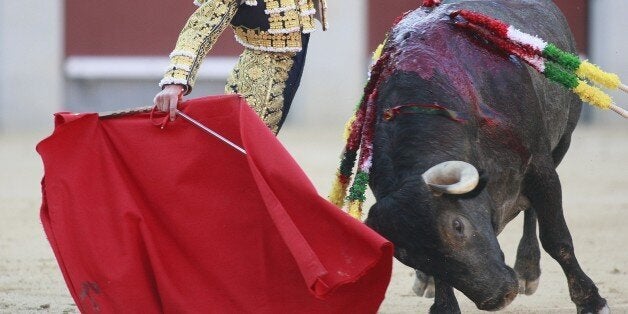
(505, 120)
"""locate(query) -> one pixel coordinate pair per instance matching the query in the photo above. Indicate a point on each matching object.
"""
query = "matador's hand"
(168, 98)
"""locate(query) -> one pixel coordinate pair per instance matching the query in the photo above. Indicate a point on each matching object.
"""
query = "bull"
(446, 184)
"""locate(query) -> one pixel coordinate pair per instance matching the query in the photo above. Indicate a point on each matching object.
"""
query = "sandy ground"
(594, 184)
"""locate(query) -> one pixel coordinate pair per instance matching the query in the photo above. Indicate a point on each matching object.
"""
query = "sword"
(210, 131)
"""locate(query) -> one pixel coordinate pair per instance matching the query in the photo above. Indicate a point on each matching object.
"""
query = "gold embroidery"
(288, 20)
(285, 21)
(198, 36)
(307, 23)
(261, 78)
(285, 17)
(306, 6)
(254, 39)
(276, 4)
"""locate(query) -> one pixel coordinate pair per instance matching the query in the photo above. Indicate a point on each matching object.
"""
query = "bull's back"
(559, 109)
(496, 86)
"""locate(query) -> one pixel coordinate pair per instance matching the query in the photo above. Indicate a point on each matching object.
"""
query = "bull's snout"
(504, 295)
(498, 303)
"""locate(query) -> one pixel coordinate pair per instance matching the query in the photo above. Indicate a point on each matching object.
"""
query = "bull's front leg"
(444, 301)
(423, 285)
(542, 187)
(527, 265)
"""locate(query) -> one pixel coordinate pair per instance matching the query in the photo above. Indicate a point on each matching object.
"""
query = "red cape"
(145, 220)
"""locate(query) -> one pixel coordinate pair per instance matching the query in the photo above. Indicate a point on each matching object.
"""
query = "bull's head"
(441, 224)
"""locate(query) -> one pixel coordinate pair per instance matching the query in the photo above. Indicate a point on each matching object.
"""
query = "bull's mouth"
(498, 303)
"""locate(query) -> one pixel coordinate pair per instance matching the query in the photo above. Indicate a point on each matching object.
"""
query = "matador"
(275, 34)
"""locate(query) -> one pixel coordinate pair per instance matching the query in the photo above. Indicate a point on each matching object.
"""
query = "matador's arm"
(196, 39)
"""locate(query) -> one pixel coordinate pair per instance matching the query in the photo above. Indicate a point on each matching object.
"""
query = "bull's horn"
(452, 177)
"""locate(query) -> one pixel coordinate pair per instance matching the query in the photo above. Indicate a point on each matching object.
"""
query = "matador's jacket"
(275, 35)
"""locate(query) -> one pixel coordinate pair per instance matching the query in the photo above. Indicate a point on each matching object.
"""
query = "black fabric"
(294, 79)
(252, 17)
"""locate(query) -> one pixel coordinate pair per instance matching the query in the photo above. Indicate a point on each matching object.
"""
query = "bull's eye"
(458, 226)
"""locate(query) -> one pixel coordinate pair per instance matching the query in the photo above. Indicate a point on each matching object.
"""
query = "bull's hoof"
(424, 285)
(445, 309)
(587, 310)
(528, 273)
(604, 310)
(528, 287)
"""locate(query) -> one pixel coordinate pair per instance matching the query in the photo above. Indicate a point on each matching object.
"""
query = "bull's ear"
(482, 182)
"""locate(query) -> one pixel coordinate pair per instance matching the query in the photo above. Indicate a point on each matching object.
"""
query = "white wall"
(335, 71)
(609, 48)
(31, 49)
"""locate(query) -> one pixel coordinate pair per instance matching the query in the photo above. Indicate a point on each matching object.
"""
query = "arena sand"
(595, 189)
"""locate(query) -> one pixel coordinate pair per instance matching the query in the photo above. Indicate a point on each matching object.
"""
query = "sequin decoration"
(261, 78)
